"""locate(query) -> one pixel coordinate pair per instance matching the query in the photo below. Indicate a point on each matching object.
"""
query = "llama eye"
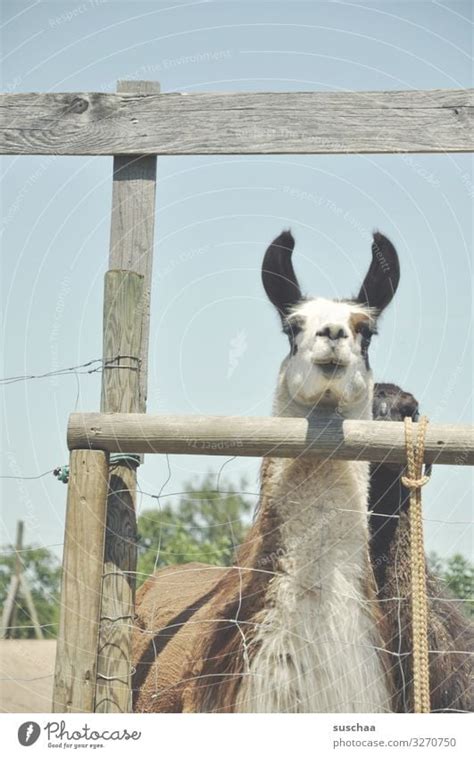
(292, 330)
(408, 411)
(366, 332)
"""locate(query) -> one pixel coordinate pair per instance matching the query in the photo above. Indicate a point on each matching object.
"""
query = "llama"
(451, 634)
(293, 625)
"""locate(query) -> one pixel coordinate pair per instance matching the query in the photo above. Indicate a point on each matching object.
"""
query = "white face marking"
(328, 366)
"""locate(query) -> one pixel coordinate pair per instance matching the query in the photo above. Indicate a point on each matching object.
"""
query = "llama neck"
(318, 500)
(318, 642)
(388, 497)
(321, 509)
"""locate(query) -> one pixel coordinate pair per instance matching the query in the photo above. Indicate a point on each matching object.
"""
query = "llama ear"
(381, 281)
(278, 277)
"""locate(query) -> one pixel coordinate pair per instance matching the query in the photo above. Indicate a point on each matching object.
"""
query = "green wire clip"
(62, 473)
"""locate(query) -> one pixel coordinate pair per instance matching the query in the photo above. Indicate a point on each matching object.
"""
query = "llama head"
(391, 403)
(328, 364)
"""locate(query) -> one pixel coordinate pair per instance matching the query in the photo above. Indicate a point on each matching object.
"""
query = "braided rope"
(414, 481)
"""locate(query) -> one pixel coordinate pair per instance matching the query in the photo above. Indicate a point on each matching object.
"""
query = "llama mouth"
(330, 367)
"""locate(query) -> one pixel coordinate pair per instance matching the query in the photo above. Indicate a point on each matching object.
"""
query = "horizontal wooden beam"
(135, 433)
(94, 123)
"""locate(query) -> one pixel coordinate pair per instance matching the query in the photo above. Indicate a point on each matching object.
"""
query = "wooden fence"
(378, 441)
(137, 123)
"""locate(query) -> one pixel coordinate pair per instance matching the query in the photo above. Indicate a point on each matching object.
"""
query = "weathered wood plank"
(237, 123)
(266, 437)
(123, 305)
(76, 654)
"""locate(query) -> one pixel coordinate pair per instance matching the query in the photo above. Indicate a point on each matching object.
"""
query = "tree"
(205, 526)
(43, 572)
(459, 576)
(457, 573)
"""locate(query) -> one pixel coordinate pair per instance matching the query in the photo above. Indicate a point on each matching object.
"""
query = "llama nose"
(333, 331)
(383, 410)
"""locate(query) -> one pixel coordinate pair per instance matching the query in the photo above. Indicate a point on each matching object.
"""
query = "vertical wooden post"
(133, 226)
(18, 585)
(17, 573)
(123, 301)
(30, 605)
(126, 332)
(76, 655)
(8, 608)
(9, 614)
(18, 548)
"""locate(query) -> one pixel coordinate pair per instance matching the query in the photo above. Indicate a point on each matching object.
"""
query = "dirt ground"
(26, 675)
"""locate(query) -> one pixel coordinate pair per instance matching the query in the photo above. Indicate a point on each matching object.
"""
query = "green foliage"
(458, 575)
(43, 573)
(435, 563)
(204, 526)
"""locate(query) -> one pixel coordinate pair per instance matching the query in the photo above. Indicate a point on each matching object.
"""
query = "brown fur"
(451, 633)
(187, 647)
(357, 320)
(169, 615)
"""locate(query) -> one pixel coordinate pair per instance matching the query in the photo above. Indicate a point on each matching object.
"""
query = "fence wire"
(97, 366)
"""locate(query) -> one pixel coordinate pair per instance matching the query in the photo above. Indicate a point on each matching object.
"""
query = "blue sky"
(215, 342)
